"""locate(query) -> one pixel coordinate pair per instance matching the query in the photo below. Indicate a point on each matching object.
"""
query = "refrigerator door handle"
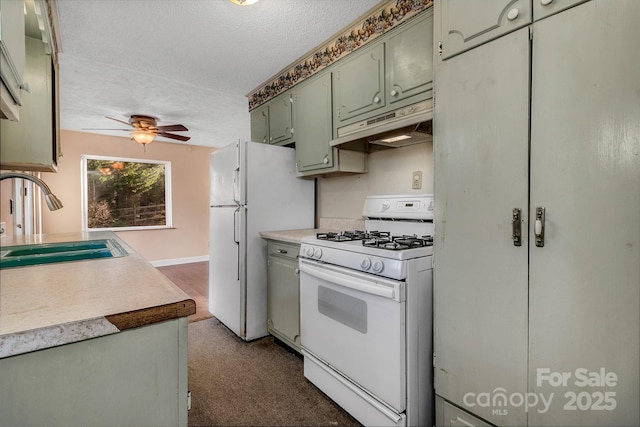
(236, 174)
(236, 182)
(235, 225)
(236, 233)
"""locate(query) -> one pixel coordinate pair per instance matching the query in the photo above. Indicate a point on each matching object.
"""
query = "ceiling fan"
(144, 129)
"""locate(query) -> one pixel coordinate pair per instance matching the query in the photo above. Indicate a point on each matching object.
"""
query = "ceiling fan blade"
(118, 120)
(126, 130)
(172, 128)
(174, 136)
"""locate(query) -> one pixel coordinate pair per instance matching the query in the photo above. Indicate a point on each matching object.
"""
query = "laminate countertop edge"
(67, 333)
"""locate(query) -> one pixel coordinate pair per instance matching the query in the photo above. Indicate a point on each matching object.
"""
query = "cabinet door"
(409, 62)
(466, 24)
(455, 417)
(260, 124)
(284, 299)
(358, 84)
(281, 120)
(12, 58)
(312, 118)
(481, 152)
(585, 171)
(544, 8)
(32, 143)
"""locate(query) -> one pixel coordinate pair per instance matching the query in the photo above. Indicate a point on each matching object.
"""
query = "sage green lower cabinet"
(283, 293)
(448, 415)
(136, 377)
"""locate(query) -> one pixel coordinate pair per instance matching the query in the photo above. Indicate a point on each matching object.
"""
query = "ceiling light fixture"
(244, 2)
(143, 136)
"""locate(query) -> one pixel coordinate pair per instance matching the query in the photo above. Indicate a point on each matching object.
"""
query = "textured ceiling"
(184, 61)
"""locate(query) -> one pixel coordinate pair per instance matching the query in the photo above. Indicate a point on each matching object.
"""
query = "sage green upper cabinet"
(312, 123)
(32, 144)
(260, 124)
(12, 54)
(359, 84)
(394, 72)
(281, 120)
(409, 61)
(544, 8)
(272, 123)
(466, 24)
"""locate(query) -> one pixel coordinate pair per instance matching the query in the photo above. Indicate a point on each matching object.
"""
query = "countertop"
(290, 236)
(326, 225)
(47, 305)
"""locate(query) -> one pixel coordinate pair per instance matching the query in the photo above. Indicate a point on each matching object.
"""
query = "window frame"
(85, 197)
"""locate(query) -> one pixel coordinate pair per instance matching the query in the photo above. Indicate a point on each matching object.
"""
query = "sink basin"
(49, 253)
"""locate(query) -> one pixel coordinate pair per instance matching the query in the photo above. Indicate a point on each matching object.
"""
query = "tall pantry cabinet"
(537, 186)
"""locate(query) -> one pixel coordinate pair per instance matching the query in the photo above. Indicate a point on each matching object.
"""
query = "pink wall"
(190, 194)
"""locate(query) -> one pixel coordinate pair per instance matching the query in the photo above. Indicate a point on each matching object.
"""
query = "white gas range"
(366, 312)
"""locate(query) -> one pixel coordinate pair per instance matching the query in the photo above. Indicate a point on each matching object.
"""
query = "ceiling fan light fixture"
(244, 2)
(143, 136)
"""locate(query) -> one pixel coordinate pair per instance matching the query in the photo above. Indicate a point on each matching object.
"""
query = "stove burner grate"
(397, 243)
(347, 236)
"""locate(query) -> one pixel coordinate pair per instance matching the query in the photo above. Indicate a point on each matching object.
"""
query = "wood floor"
(193, 279)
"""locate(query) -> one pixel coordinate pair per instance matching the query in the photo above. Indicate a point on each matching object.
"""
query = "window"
(125, 194)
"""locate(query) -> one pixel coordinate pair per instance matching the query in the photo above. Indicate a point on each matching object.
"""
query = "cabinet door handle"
(516, 227)
(376, 100)
(545, 2)
(513, 14)
(538, 228)
(282, 251)
(394, 92)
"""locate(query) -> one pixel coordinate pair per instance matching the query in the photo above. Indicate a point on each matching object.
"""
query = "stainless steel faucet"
(52, 201)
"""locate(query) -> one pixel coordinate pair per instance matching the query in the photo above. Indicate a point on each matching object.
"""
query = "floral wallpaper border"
(384, 19)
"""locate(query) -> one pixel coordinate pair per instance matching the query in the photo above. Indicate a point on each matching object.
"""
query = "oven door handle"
(369, 287)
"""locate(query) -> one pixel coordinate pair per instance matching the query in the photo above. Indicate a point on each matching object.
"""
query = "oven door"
(355, 323)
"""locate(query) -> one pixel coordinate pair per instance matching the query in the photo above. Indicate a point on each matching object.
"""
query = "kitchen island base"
(132, 378)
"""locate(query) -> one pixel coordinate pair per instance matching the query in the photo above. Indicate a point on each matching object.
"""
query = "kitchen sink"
(50, 253)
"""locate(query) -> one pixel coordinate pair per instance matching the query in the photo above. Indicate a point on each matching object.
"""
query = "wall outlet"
(416, 180)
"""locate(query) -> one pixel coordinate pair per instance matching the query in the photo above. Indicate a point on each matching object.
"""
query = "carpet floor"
(235, 383)
(259, 383)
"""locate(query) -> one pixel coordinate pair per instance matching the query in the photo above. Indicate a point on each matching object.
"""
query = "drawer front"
(287, 250)
(448, 415)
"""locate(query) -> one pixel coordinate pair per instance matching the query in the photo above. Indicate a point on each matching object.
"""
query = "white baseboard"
(176, 261)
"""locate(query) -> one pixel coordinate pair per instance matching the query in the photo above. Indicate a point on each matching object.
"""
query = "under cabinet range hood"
(398, 128)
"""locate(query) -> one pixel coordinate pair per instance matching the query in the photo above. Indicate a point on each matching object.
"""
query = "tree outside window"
(123, 194)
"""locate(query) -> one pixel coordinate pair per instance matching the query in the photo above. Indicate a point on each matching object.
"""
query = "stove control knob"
(317, 252)
(365, 263)
(378, 266)
(309, 251)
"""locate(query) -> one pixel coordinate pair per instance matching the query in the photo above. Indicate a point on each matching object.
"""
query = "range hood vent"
(399, 128)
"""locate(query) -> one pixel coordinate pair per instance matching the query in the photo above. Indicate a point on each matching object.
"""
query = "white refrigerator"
(253, 188)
